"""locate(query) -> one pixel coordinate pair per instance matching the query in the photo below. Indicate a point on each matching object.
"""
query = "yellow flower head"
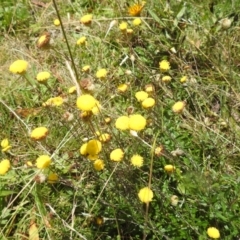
(93, 147)
(141, 95)
(86, 19)
(145, 195)
(101, 73)
(86, 102)
(183, 79)
(122, 87)
(43, 161)
(149, 88)
(53, 102)
(98, 165)
(166, 79)
(164, 66)
(178, 107)
(159, 150)
(44, 40)
(18, 67)
(137, 160)
(5, 145)
(42, 77)
(213, 232)
(123, 26)
(122, 123)
(82, 41)
(4, 166)
(72, 89)
(105, 137)
(137, 21)
(169, 168)
(137, 122)
(56, 22)
(136, 9)
(86, 68)
(39, 133)
(148, 103)
(83, 149)
(117, 155)
(52, 178)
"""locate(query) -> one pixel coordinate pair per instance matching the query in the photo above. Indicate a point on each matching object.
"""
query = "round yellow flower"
(18, 67)
(123, 26)
(86, 102)
(43, 161)
(54, 102)
(94, 147)
(169, 168)
(164, 66)
(141, 95)
(82, 41)
(136, 9)
(137, 21)
(86, 19)
(101, 73)
(117, 155)
(122, 87)
(98, 165)
(183, 79)
(137, 122)
(42, 77)
(4, 166)
(213, 232)
(52, 178)
(178, 107)
(148, 103)
(122, 123)
(136, 160)
(5, 145)
(145, 195)
(39, 133)
(56, 22)
(72, 89)
(86, 68)
(83, 149)
(166, 79)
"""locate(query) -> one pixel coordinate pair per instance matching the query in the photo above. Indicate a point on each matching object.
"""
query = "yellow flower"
(5, 145)
(86, 19)
(93, 147)
(148, 103)
(166, 79)
(101, 73)
(107, 120)
(42, 77)
(52, 178)
(122, 123)
(122, 87)
(54, 102)
(72, 89)
(137, 21)
(98, 165)
(137, 160)
(178, 106)
(18, 67)
(86, 68)
(169, 168)
(86, 102)
(56, 22)
(149, 88)
(164, 66)
(105, 137)
(183, 79)
(39, 133)
(136, 9)
(137, 122)
(117, 155)
(83, 149)
(43, 161)
(44, 40)
(141, 95)
(82, 41)
(123, 26)
(213, 232)
(145, 195)
(4, 166)
(158, 150)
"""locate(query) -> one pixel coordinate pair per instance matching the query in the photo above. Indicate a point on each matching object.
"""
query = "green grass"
(205, 134)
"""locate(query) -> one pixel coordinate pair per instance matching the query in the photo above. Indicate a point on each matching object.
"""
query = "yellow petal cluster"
(137, 122)
(52, 178)
(101, 73)
(145, 195)
(98, 165)
(54, 102)
(169, 168)
(39, 133)
(122, 123)
(213, 232)
(82, 41)
(136, 9)
(178, 106)
(56, 22)
(166, 79)
(148, 102)
(86, 102)
(5, 145)
(122, 87)
(86, 19)
(141, 95)
(117, 155)
(123, 26)
(42, 77)
(164, 66)
(18, 67)
(4, 166)
(137, 21)
(43, 161)
(136, 160)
